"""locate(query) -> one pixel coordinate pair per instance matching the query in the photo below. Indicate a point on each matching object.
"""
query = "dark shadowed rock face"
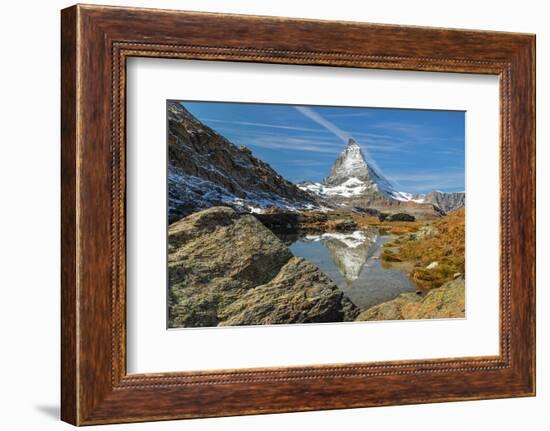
(282, 222)
(396, 217)
(206, 170)
(226, 268)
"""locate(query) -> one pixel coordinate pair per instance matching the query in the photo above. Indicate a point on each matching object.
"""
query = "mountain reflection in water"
(352, 261)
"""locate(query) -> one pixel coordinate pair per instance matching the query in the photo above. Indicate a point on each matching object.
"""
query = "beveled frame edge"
(96, 41)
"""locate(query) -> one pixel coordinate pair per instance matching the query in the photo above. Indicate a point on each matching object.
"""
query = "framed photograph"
(266, 215)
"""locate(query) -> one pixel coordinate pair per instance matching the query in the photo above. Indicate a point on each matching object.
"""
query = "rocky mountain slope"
(205, 170)
(352, 182)
(447, 201)
(226, 268)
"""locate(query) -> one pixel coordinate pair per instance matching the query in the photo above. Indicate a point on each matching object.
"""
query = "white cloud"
(289, 143)
(273, 126)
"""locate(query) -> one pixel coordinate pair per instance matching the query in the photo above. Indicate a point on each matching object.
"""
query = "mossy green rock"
(444, 302)
(226, 268)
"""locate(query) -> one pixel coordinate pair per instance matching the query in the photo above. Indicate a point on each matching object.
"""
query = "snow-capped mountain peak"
(350, 163)
(354, 182)
(352, 176)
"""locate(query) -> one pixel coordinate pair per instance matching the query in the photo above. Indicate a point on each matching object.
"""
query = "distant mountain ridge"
(353, 182)
(205, 169)
(447, 201)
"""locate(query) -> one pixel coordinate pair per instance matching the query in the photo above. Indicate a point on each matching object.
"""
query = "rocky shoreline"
(227, 268)
(444, 302)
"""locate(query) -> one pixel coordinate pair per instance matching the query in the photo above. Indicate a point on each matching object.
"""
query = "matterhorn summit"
(353, 178)
(351, 163)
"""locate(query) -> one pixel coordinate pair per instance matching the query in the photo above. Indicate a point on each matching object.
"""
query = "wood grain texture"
(96, 41)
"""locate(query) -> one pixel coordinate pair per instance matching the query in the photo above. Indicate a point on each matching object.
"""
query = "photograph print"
(287, 214)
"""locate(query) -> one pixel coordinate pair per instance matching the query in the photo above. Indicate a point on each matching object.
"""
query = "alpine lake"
(352, 261)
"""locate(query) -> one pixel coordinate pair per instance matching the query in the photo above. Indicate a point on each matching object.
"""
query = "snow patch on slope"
(203, 193)
(355, 187)
(350, 187)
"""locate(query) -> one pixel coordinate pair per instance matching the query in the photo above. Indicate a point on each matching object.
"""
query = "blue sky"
(417, 150)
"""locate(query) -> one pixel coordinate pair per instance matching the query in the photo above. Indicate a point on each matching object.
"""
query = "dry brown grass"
(446, 247)
(389, 227)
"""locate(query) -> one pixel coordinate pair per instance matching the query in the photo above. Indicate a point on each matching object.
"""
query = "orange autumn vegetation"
(386, 227)
(441, 241)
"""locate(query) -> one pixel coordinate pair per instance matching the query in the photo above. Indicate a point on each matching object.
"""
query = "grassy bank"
(433, 253)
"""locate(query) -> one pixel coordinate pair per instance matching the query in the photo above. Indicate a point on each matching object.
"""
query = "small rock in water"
(433, 265)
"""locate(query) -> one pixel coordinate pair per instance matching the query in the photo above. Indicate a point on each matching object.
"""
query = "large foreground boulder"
(444, 302)
(228, 269)
(299, 293)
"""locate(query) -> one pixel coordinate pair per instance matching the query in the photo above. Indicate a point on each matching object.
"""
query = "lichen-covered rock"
(218, 259)
(299, 293)
(390, 310)
(447, 301)
(444, 302)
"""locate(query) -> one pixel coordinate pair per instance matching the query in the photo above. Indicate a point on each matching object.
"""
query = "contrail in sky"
(333, 128)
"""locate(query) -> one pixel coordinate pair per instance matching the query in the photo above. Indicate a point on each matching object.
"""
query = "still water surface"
(352, 261)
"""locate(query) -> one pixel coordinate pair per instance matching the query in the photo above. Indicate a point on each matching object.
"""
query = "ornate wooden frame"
(96, 41)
